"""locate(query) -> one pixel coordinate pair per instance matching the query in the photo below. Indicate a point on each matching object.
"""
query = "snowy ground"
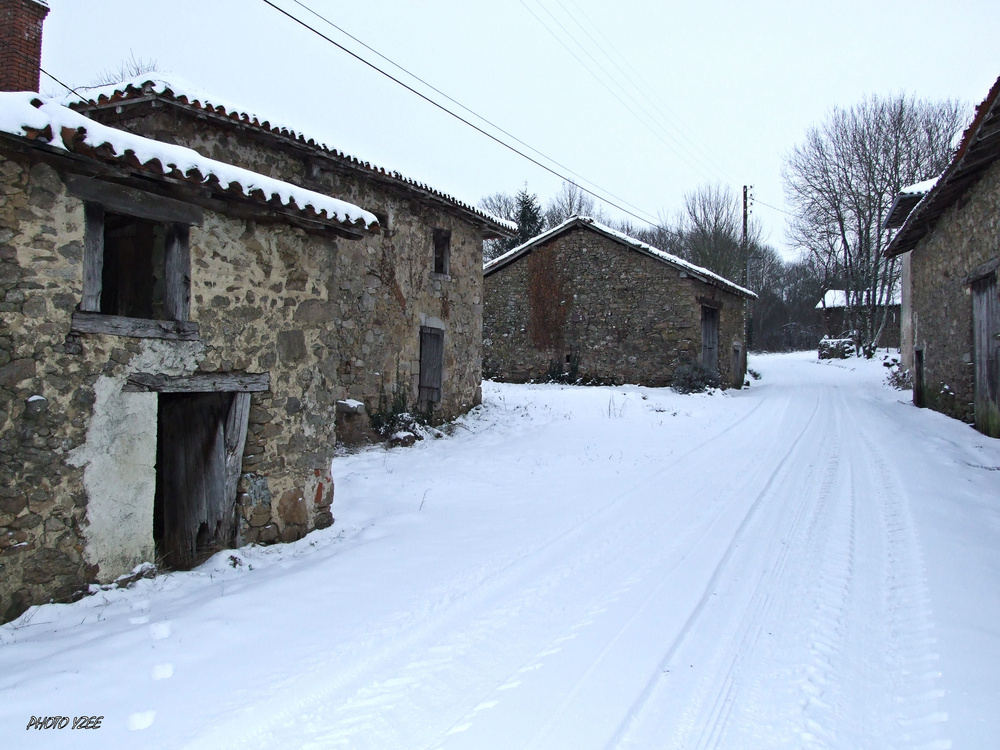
(810, 562)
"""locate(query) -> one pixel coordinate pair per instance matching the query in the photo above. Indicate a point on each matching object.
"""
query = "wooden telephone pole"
(747, 200)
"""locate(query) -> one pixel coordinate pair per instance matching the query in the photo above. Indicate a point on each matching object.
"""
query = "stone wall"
(589, 307)
(385, 288)
(966, 236)
(78, 454)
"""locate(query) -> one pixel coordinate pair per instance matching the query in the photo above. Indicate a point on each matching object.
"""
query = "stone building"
(178, 333)
(952, 239)
(416, 286)
(584, 301)
(836, 323)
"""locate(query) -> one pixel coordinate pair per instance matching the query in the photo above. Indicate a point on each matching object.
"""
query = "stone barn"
(184, 332)
(582, 301)
(407, 304)
(950, 240)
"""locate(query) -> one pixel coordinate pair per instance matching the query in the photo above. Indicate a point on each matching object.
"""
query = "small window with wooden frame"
(442, 252)
(136, 274)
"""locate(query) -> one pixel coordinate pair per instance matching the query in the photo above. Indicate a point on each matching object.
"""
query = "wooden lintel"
(982, 271)
(207, 382)
(118, 325)
(126, 200)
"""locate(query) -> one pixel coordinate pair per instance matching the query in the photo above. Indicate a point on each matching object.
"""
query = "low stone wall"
(584, 306)
(966, 236)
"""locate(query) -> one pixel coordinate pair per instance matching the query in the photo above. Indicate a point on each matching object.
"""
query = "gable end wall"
(623, 316)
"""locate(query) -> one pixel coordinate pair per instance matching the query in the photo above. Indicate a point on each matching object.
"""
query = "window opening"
(132, 277)
(442, 251)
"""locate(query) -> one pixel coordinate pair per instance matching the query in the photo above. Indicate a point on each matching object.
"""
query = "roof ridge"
(145, 86)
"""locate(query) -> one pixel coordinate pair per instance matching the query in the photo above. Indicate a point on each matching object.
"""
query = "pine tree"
(529, 218)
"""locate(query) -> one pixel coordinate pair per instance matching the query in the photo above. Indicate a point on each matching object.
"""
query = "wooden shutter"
(986, 353)
(710, 338)
(431, 364)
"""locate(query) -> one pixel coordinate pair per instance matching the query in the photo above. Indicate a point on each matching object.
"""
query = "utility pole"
(747, 200)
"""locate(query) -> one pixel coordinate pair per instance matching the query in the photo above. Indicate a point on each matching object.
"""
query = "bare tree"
(503, 206)
(571, 201)
(710, 232)
(841, 181)
(127, 69)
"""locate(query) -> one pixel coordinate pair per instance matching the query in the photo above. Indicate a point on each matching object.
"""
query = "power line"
(458, 117)
(462, 106)
(648, 93)
(602, 81)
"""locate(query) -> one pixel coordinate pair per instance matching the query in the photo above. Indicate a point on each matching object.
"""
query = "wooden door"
(986, 353)
(431, 365)
(200, 439)
(710, 338)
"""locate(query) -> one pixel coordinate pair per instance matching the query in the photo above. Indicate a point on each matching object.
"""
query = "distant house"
(182, 329)
(837, 324)
(952, 238)
(584, 301)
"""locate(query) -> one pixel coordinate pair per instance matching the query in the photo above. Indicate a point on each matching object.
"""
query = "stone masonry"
(966, 236)
(385, 285)
(77, 453)
(586, 305)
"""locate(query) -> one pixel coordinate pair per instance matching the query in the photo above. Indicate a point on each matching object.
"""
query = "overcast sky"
(706, 91)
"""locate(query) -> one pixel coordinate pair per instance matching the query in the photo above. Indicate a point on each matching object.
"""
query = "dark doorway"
(710, 338)
(199, 448)
(918, 378)
(986, 353)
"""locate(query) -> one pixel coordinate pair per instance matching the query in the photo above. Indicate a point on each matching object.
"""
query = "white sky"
(738, 83)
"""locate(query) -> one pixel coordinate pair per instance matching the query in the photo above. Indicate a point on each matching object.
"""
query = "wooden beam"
(177, 273)
(207, 382)
(125, 200)
(93, 257)
(118, 325)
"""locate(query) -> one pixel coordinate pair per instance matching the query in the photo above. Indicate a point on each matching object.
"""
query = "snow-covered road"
(810, 562)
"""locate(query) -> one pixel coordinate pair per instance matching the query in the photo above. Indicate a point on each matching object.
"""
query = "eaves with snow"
(49, 125)
(574, 222)
(178, 93)
(978, 150)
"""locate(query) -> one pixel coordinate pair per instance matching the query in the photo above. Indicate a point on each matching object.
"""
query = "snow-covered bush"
(694, 377)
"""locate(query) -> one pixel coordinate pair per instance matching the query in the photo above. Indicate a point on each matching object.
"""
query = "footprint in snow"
(160, 630)
(163, 671)
(141, 720)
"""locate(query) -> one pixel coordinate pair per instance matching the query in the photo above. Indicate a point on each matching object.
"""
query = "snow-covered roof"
(709, 277)
(144, 88)
(978, 151)
(47, 121)
(921, 187)
(838, 298)
(906, 200)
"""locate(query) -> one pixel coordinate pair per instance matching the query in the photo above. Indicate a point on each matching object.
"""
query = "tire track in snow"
(255, 726)
(656, 684)
(910, 661)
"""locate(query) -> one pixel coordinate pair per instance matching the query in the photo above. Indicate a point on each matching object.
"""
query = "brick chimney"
(21, 43)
